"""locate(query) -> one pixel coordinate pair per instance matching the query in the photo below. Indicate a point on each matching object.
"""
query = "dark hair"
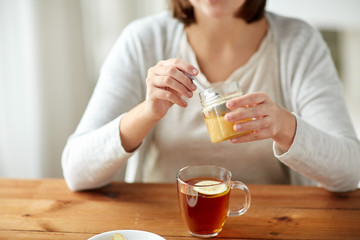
(251, 11)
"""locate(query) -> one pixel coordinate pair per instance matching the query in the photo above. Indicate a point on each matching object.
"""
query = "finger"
(258, 134)
(250, 99)
(259, 123)
(168, 95)
(176, 68)
(181, 65)
(173, 84)
(178, 75)
(257, 111)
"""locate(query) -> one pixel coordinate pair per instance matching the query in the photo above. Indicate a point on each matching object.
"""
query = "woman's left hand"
(269, 120)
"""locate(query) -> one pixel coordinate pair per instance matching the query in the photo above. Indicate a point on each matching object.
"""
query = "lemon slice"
(118, 236)
(214, 188)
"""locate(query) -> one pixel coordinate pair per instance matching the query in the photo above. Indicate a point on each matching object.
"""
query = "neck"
(217, 41)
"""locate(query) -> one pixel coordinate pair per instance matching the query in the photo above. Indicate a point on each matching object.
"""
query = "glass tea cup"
(213, 101)
(204, 194)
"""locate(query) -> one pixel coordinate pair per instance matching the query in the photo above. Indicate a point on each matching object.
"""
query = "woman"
(144, 119)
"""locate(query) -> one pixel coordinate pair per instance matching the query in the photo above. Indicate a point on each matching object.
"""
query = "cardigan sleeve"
(93, 155)
(326, 148)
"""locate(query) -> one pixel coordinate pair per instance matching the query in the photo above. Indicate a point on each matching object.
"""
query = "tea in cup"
(204, 194)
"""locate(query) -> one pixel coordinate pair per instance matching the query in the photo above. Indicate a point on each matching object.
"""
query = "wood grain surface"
(46, 209)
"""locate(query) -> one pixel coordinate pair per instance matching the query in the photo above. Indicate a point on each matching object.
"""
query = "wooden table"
(46, 209)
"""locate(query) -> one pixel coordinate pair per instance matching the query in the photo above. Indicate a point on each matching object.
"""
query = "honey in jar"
(214, 108)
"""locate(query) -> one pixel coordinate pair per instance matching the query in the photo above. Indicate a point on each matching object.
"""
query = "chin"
(217, 14)
(217, 8)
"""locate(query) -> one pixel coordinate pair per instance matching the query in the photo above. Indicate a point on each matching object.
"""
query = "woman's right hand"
(166, 84)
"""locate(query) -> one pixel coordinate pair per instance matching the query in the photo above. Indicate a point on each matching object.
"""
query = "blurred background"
(51, 52)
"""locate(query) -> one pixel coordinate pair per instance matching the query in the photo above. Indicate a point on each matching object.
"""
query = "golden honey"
(213, 101)
(221, 130)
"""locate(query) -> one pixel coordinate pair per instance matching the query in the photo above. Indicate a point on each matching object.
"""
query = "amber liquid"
(203, 214)
(221, 130)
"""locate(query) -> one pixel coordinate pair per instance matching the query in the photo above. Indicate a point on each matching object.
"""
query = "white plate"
(129, 234)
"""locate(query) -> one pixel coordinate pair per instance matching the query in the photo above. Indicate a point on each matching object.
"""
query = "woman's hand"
(166, 84)
(269, 120)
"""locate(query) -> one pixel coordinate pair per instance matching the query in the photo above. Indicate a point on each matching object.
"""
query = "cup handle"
(241, 210)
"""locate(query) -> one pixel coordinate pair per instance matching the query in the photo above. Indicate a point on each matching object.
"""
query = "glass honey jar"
(213, 101)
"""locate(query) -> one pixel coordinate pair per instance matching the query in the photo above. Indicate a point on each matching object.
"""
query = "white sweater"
(325, 150)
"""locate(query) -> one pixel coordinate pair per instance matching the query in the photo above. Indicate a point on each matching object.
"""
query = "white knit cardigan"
(325, 151)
